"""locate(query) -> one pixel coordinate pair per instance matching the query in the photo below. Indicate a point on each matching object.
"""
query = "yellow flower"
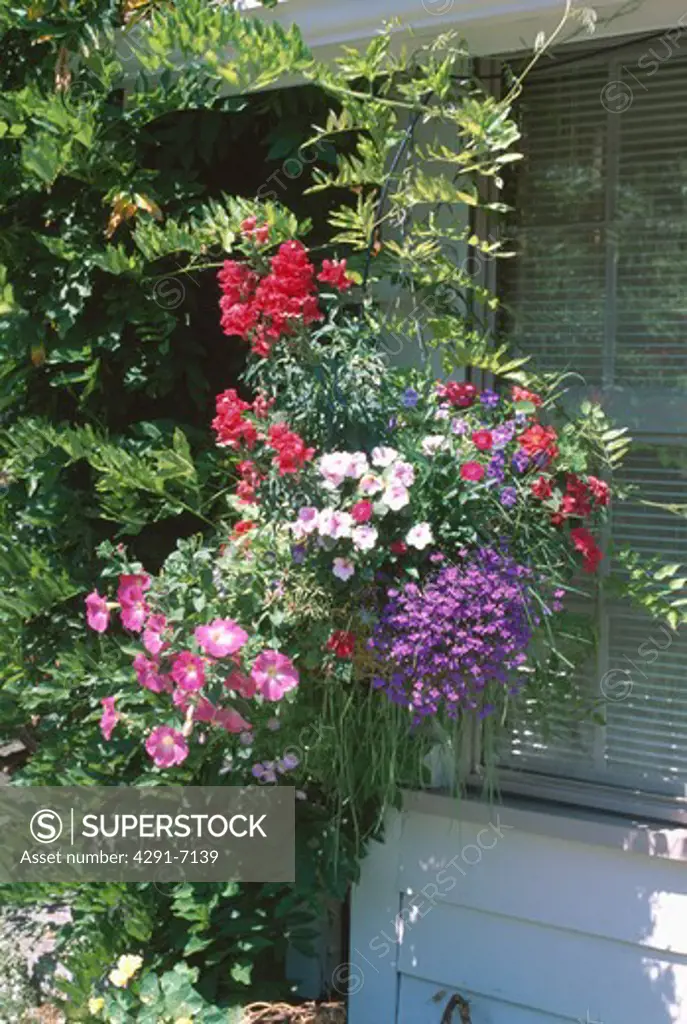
(183, 1020)
(126, 967)
(95, 1005)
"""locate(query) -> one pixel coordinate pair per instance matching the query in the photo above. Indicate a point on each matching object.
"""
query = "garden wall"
(532, 917)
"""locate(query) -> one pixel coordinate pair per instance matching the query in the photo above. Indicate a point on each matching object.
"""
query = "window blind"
(600, 288)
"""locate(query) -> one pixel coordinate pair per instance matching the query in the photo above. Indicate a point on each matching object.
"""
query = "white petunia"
(420, 536)
(334, 524)
(401, 473)
(364, 538)
(396, 497)
(358, 465)
(383, 457)
(433, 443)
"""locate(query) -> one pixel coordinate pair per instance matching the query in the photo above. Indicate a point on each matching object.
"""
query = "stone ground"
(27, 965)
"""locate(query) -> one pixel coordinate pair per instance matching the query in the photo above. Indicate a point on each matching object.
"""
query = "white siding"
(528, 927)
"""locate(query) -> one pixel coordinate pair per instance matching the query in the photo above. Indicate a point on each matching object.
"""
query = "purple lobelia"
(466, 628)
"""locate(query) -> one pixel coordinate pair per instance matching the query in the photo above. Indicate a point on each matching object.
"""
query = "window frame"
(529, 782)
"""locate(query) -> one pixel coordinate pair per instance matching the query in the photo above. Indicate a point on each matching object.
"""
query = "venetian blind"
(600, 288)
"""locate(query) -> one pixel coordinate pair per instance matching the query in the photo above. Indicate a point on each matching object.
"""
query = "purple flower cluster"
(466, 627)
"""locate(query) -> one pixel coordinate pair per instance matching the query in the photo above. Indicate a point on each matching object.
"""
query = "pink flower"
(148, 674)
(370, 484)
(110, 716)
(334, 524)
(307, 519)
(226, 718)
(97, 612)
(241, 684)
(127, 580)
(402, 473)
(232, 721)
(180, 699)
(152, 634)
(221, 637)
(483, 440)
(166, 746)
(472, 471)
(362, 511)
(343, 569)
(188, 672)
(274, 674)
(134, 610)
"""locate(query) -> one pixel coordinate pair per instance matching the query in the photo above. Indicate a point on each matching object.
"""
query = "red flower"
(292, 453)
(238, 283)
(472, 471)
(334, 272)
(558, 518)
(242, 527)
(483, 440)
(542, 488)
(538, 440)
(461, 395)
(587, 546)
(250, 229)
(576, 499)
(262, 311)
(600, 490)
(230, 425)
(239, 319)
(522, 395)
(398, 547)
(342, 643)
(362, 511)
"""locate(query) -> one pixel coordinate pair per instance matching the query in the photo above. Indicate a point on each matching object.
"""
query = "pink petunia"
(97, 612)
(221, 637)
(362, 511)
(127, 580)
(152, 634)
(166, 746)
(188, 672)
(225, 718)
(274, 674)
(244, 685)
(148, 674)
(109, 718)
(134, 610)
(472, 471)
(343, 569)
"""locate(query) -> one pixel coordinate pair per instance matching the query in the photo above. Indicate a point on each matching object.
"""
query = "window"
(600, 287)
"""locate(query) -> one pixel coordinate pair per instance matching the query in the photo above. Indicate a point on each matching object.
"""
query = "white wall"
(532, 917)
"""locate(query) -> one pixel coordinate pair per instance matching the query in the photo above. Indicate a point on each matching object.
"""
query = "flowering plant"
(431, 565)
